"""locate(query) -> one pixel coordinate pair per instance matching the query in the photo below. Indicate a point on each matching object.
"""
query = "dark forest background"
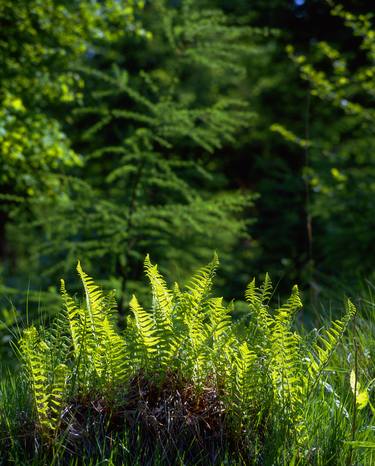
(180, 128)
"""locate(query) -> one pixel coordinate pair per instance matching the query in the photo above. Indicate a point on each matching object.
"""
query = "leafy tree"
(40, 42)
(340, 146)
(154, 110)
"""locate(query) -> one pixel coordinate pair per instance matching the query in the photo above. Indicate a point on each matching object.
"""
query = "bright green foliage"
(41, 42)
(97, 348)
(146, 340)
(149, 132)
(263, 373)
(246, 386)
(361, 395)
(33, 145)
(291, 377)
(48, 379)
(327, 341)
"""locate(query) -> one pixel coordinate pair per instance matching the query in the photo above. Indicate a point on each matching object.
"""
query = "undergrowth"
(185, 383)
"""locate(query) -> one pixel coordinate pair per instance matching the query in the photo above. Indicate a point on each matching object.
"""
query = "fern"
(220, 320)
(245, 383)
(162, 297)
(57, 394)
(162, 307)
(196, 310)
(286, 368)
(285, 313)
(98, 349)
(73, 318)
(48, 389)
(327, 342)
(280, 348)
(146, 341)
(262, 376)
(257, 299)
(287, 379)
(94, 298)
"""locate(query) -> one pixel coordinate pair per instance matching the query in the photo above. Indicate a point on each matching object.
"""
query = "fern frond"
(195, 300)
(162, 310)
(286, 364)
(283, 358)
(266, 289)
(327, 342)
(245, 384)
(286, 312)
(194, 309)
(201, 283)
(162, 296)
(73, 318)
(115, 362)
(146, 337)
(244, 365)
(288, 379)
(57, 393)
(94, 298)
(111, 307)
(48, 387)
(219, 319)
(101, 349)
(34, 355)
(257, 298)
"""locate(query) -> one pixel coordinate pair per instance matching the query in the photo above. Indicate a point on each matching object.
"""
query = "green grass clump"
(185, 383)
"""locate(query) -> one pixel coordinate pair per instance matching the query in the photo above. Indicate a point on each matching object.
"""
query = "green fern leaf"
(146, 337)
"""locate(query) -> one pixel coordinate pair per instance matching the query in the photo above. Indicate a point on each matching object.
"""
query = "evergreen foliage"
(146, 136)
(125, 117)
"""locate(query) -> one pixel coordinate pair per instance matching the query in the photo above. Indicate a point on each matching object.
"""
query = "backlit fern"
(47, 379)
(261, 373)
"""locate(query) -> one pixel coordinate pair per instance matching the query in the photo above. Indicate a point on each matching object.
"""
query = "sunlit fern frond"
(101, 349)
(162, 296)
(289, 381)
(73, 318)
(199, 286)
(84, 337)
(146, 339)
(257, 299)
(219, 318)
(162, 311)
(286, 367)
(244, 384)
(35, 354)
(48, 383)
(94, 298)
(286, 312)
(327, 342)
(116, 357)
(266, 289)
(192, 302)
(57, 393)
(110, 306)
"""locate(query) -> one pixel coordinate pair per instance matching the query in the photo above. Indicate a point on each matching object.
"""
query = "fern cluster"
(261, 369)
